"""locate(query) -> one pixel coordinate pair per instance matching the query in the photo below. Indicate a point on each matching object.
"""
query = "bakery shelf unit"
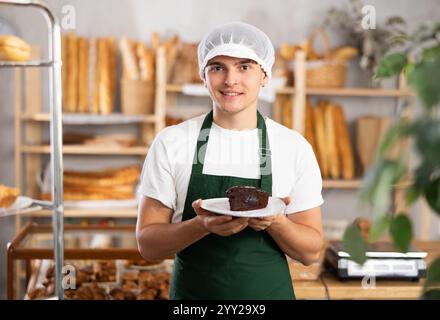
(54, 82)
(31, 149)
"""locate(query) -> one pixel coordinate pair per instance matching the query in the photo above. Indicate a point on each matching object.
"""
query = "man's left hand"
(260, 224)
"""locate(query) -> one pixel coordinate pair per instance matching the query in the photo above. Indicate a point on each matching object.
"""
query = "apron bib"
(246, 265)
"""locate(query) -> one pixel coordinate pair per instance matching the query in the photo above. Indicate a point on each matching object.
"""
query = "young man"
(217, 256)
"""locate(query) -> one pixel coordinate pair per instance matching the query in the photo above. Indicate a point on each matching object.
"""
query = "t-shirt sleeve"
(156, 178)
(307, 189)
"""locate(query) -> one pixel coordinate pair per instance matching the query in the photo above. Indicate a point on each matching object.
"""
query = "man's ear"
(265, 80)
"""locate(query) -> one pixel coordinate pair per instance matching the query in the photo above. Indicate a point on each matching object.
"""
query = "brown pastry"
(37, 293)
(247, 198)
(147, 294)
(117, 294)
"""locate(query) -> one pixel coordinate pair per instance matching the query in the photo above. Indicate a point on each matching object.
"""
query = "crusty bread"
(129, 60)
(321, 142)
(13, 48)
(72, 75)
(146, 62)
(83, 48)
(332, 153)
(309, 131)
(343, 144)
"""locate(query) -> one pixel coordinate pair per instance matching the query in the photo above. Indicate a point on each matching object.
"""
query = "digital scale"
(383, 261)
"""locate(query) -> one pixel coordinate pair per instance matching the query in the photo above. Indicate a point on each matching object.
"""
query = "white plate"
(221, 206)
(20, 203)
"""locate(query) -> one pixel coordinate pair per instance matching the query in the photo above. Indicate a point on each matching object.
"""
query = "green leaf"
(432, 195)
(391, 65)
(401, 232)
(379, 227)
(354, 245)
(412, 193)
(433, 294)
(431, 53)
(433, 274)
(424, 80)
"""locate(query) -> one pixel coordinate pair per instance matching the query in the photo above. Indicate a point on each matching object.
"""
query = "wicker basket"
(326, 73)
(137, 97)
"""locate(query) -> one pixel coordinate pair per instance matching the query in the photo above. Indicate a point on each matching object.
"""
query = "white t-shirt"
(167, 168)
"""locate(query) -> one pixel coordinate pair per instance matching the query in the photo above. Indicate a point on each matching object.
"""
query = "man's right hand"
(221, 225)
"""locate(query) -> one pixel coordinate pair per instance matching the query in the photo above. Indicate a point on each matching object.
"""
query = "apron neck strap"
(264, 150)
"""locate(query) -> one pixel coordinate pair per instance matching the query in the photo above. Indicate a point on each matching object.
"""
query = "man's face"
(234, 83)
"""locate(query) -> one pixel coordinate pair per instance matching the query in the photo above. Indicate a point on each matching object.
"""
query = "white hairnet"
(238, 40)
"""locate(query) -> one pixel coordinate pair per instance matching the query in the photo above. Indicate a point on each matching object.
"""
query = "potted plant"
(419, 61)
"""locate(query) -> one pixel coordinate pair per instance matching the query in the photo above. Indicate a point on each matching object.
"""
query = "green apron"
(246, 265)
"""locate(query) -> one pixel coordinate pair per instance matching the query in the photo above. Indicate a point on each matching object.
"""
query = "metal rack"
(55, 103)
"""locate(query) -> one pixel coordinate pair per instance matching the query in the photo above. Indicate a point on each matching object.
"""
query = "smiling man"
(218, 256)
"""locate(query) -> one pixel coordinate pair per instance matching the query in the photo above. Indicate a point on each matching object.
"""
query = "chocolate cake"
(246, 198)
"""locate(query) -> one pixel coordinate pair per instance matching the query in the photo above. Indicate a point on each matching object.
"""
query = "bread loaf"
(13, 48)
(72, 73)
(343, 144)
(146, 62)
(321, 143)
(129, 60)
(332, 154)
(83, 48)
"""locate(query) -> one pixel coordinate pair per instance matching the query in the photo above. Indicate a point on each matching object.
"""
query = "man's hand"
(260, 224)
(220, 225)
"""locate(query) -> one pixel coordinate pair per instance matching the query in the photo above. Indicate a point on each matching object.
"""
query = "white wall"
(282, 20)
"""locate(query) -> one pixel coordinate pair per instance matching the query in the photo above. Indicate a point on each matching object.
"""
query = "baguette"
(309, 131)
(155, 41)
(130, 65)
(104, 98)
(112, 72)
(345, 152)
(332, 153)
(92, 102)
(83, 48)
(146, 62)
(72, 76)
(321, 143)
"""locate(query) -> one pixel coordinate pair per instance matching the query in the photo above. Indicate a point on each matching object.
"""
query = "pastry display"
(247, 198)
(8, 196)
(14, 48)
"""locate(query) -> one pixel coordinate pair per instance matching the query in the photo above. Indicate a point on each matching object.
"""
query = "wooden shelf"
(341, 184)
(91, 213)
(354, 92)
(92, 150)
(360, 92)
(73, 118)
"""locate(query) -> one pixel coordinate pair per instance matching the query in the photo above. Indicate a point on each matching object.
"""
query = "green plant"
(419, 61)
(372, 44)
